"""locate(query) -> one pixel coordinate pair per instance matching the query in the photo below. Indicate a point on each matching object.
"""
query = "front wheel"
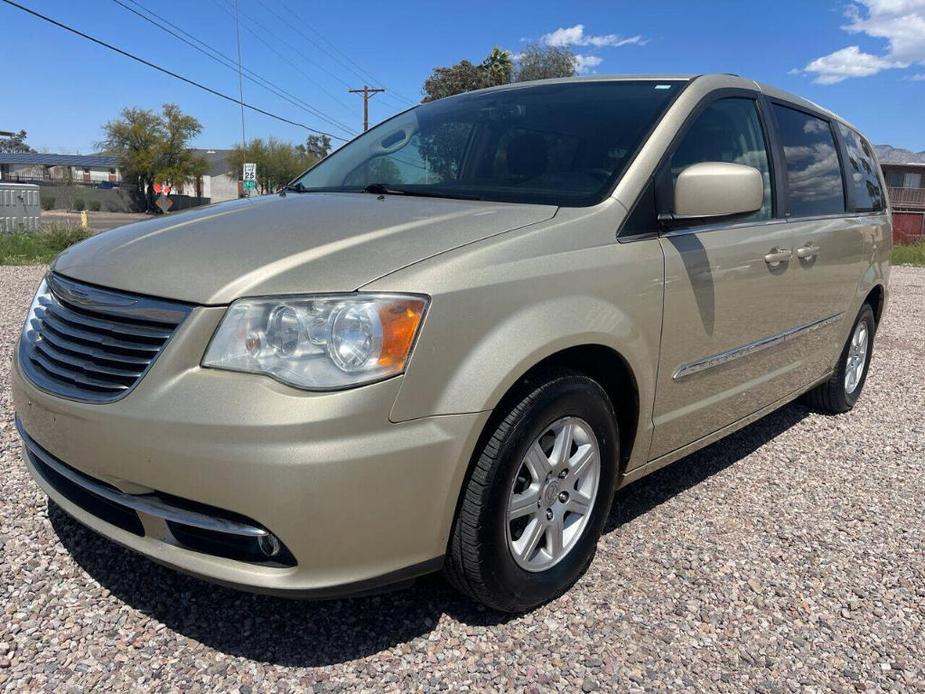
(841, 392)
(537, 498)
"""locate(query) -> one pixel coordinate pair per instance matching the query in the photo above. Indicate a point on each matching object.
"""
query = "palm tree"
(499, 65)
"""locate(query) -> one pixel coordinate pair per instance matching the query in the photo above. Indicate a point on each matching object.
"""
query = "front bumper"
(356, 499)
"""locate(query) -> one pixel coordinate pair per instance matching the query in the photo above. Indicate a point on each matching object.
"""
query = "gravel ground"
(789, 556)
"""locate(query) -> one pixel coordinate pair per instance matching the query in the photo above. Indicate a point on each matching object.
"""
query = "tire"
(836, 395)
(481, 556)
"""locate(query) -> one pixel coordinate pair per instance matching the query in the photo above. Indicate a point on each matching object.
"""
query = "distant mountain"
(893, 155)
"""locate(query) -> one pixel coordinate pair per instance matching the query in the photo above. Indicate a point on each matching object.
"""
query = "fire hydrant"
(84, 220)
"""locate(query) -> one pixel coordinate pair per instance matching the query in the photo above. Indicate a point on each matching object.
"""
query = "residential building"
(37, 167)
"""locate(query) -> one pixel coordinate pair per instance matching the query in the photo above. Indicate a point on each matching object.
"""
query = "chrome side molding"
(764, 343)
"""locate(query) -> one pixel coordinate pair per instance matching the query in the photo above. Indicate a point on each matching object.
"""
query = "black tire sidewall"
(572, 396)
(866, 314)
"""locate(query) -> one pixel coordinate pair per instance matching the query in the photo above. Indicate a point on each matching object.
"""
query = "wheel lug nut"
(562, 474)
(548, 514)
(563, 497)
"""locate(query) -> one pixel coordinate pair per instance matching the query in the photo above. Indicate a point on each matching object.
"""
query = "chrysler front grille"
(94, 345)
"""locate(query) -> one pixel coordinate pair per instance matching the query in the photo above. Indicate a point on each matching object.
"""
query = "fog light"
(268, 544)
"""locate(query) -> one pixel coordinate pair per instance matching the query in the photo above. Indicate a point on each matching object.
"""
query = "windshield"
(559, 144)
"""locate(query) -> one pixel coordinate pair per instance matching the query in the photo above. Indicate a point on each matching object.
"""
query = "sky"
(865, 60)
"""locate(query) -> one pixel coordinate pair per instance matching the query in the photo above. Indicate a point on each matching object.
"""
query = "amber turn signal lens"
(400, 320)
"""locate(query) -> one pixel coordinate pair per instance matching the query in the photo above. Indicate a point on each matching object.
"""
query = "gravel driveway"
(790, 555)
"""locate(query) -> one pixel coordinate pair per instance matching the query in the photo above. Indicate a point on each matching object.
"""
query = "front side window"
(862, 172)
(814, 177)
(729, 131)
(559, 144)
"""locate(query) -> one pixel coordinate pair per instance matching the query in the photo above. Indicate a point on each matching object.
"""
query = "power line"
(321, 35)
(227, 61)
(164, 70)
(284, 57)
(346, 62)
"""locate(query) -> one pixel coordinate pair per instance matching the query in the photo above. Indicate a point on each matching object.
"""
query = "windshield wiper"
(383, 189)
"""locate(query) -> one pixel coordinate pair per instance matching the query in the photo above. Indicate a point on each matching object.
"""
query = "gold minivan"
(448, 344)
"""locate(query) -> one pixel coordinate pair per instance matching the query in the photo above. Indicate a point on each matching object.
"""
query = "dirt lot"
(790, 555)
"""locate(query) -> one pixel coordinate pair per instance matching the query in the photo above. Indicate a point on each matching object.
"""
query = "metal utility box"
(19, 207)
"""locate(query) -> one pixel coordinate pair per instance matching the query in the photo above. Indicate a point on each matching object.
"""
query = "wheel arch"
(876, 297)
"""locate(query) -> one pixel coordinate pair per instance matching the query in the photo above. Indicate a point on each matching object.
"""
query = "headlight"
(318, 342)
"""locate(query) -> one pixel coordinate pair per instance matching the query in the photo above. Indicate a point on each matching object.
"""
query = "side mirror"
(717, 189)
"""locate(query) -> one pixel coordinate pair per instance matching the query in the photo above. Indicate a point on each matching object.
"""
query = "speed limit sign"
(250, 176)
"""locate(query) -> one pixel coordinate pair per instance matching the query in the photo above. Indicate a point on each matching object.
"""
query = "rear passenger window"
(813, 173)
(861, 167)
(729, 130)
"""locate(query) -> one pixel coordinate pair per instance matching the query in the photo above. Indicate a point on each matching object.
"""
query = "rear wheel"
(537, 498)
(841, 392)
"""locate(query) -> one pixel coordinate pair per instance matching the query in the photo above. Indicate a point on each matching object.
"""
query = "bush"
(33, 247)
(79, 204)
(48, 203)
(94, 206)
(909, 255)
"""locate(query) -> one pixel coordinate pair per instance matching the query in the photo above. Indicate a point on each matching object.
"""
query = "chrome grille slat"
(92, 352)
(61, 311)
(84, 364)
(73, 376)
(63, 328)
(93, 344)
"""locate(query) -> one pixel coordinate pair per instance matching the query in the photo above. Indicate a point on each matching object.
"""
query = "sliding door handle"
(778, 255)
(808, 251)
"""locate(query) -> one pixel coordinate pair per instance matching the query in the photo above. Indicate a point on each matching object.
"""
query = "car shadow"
(311, 633)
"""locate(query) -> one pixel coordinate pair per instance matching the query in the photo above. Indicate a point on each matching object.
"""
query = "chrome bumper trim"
(757, 346)
(147, 504)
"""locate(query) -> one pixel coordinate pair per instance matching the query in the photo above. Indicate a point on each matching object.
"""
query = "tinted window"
(862, 172)
(559, 144)
(813, 173)
(728, 131)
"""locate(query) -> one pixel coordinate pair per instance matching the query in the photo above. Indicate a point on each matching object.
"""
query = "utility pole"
(237, 33)
(368, 93)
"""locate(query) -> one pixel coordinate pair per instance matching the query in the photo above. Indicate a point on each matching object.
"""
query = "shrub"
(33, 247)
(48, 203)
(94, 206)
(913, 254)
(79, 204)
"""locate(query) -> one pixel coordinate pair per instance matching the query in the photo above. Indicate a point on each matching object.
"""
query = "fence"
(907, 198)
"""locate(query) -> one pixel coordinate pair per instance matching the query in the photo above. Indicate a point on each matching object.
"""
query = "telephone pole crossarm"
(368, 93)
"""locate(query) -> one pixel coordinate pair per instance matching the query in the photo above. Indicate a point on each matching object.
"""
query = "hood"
(300, 243)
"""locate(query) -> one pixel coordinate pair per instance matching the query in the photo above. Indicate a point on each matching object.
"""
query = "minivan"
(447, 344)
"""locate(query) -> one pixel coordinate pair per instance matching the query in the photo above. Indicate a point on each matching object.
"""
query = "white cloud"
(585, 63)
(900, 22)
(576, 36)
(919, 77)
(845, 63)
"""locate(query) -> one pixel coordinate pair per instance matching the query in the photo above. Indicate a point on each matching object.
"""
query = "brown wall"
(908, 227)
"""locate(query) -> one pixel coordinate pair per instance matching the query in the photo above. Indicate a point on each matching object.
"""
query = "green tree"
(538, 62)
(318, 146)
(499, 65)
(153, 148)
(15, 143)
(277, 162)
(456, 79)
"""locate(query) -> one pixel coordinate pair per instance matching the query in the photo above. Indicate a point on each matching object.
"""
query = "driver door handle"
(778, 255)
(808, 251)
